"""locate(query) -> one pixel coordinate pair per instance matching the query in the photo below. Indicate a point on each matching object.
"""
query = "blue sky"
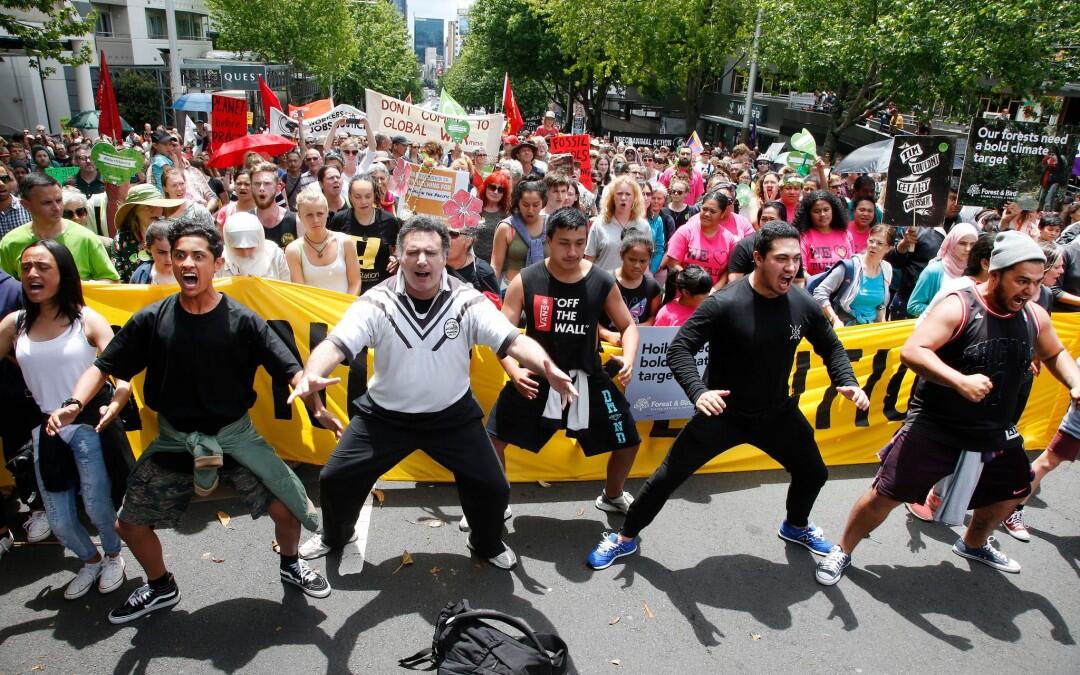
(436, 9)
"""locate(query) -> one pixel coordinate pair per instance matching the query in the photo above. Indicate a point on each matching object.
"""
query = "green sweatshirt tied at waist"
(241, 442)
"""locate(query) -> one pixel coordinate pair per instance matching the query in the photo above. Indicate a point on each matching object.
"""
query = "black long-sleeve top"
(752, 342)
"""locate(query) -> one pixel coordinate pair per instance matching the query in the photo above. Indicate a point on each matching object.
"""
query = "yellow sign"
(250, 118)
(302, 315)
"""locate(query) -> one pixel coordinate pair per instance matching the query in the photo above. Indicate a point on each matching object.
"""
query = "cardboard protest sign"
(61, 173)
(653, 393)
(917, 187)
(317, 127)
(229, 116)
(1004, 160)
(116, 167)
(393, 116)
(578, 146)
(430, 188)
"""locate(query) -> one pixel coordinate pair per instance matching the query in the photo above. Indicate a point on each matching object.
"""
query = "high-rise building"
(452, 48)
(462, 29)
(428, 33)
(402, 6)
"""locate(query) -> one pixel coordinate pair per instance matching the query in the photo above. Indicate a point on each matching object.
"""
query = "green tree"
(138, 97)
(318, 36)
(41, 24)
(476, 83)
(385, 63)
(870, 52)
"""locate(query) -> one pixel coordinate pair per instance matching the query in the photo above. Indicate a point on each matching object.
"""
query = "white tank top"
(52, 367)
(332, 276)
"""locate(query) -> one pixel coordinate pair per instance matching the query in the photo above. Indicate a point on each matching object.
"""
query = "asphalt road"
(712, 589)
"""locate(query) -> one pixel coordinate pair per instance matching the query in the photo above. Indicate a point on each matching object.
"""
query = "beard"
(263, 202)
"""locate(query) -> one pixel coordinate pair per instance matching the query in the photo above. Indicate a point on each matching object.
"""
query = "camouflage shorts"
(157, 497)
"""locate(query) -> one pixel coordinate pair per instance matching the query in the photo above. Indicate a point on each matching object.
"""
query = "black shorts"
(516, 420)
(914, 461)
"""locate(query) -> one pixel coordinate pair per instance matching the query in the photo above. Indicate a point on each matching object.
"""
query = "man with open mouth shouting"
(200, 350)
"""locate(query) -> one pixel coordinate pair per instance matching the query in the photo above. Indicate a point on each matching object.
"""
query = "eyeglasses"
(80, 212)
(676, 192)
(454, 235)
(350, 152)
(496, 188)
(311, 159)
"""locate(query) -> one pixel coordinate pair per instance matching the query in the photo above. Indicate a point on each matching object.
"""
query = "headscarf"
(243, 230)
(955, 268)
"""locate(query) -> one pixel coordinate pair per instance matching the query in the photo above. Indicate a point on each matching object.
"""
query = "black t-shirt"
(638, 300)
(199, 367)
(284, 233)
(374, 243)
(679, 218)
(90, 189)
(752, 343)
(742, 256)
(563, 317)
(478, 274)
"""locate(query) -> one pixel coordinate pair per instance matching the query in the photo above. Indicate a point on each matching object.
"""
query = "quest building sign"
(245, 78)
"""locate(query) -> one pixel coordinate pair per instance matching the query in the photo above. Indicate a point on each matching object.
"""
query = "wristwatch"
(70, 401)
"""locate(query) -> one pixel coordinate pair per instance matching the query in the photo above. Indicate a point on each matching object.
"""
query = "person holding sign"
(563, 299)
(754, 327)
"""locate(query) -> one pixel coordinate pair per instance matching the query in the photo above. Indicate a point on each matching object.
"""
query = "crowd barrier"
(303, 316)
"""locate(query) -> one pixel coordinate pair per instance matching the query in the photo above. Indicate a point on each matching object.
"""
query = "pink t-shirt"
(858, 237)
(821, 250)
(673, 314)
(697, 184)
(737, 225)
(688, 246)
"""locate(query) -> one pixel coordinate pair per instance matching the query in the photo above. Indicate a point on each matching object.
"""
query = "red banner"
(109, 115)
(313, 109)
(228, 118)
(514, 122)
(578, 146)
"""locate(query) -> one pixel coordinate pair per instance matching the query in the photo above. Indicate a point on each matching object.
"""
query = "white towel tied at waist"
(577, 416)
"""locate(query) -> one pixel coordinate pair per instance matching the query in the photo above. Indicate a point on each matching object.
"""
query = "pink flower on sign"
(399, 181)
(462, 210)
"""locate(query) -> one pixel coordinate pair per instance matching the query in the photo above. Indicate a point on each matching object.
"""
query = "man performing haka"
(563, 298)
(422, 324)
(753, 328)
(971, 355)
(200, 350)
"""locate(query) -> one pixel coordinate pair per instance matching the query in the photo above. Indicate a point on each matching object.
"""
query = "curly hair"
(802, 220)
(607, 202)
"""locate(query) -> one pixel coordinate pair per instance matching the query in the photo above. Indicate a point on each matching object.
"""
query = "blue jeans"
(61, 508)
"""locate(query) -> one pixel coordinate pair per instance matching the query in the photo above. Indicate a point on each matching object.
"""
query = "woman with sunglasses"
(677, 208)
(495, 193)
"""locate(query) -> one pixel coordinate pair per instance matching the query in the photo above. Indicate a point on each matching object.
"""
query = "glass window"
(190, 26)
(104, 21)
(155, 24)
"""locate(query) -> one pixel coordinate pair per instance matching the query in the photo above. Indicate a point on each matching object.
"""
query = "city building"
(428, 33)
(402, 6)
(451, 49)
(462, 29)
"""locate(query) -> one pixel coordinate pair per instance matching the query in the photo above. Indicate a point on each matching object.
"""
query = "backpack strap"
(423, 656)
(497, 616)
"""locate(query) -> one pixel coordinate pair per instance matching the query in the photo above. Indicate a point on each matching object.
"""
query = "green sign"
(116, 166)
(62, 173)
(743, 194)
(457, 129)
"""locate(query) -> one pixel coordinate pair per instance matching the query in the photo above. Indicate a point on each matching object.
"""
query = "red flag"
(408, 98)
(510, 106)
(269, 100)
(109, 114)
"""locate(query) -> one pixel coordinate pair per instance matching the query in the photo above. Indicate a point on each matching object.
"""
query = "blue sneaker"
(609, 549)
(811, 536)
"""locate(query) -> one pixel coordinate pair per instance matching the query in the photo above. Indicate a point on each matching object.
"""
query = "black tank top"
(563, 317)
(998, 346)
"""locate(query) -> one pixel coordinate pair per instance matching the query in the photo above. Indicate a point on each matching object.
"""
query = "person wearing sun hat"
(525, 152)
(140, 207)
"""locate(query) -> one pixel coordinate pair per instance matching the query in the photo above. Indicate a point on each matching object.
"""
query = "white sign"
(393, 116)
(653, 392)
(317, 127)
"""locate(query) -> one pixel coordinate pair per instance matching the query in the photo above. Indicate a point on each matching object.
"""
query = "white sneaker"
(80, 585)
(7, 542)
(507, 560)
(620, 504)
(463, 524)
(112, 574)
(315, 547)
(37, 527)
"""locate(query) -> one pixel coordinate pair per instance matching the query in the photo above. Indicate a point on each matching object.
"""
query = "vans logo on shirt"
(543, 311)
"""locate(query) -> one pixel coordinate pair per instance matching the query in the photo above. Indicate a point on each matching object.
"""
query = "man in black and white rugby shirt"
(422, 324)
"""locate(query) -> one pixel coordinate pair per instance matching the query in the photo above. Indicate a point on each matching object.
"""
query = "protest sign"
(302, 315)
(578, 146)
(313, 109)
(430, 188)
(116, 167)
(61, 173)
(653, 393)
(657, 140)
(917, 187)
(317, 127)
(393, 116)
(229, 116)
(1004, 160)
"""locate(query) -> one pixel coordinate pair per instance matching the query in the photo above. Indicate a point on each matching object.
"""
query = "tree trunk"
(693, 101)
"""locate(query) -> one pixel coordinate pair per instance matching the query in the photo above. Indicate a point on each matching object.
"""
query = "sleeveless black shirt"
(563, 317)
(1000, 347)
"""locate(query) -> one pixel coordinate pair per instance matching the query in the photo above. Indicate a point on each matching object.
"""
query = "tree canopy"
(384, 61)
(43, 38)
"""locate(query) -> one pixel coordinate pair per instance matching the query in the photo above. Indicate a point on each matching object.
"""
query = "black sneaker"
(309, 581)
(143, 601)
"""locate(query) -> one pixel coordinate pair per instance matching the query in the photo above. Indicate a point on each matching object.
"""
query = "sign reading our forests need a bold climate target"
(229, 119)
(1005, 160)
(393, 116)
(653, 393)
(918, 184)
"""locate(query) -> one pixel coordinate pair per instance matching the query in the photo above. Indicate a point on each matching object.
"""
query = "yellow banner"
(304, 315)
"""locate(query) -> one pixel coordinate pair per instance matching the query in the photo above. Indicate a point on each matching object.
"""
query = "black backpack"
(466, 645)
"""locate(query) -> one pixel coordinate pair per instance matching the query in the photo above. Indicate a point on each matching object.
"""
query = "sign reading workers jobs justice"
(393, 116)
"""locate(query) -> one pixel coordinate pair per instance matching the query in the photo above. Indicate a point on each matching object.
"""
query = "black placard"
(917, 187)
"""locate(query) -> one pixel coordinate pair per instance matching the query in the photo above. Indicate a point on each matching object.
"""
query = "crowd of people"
(744, 256)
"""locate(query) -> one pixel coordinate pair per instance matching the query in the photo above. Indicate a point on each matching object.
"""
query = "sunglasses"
(311, 159)
(677, 192)
(496, 188)
(80, 212)
(5, 178)
(454, 235)
(350, 152)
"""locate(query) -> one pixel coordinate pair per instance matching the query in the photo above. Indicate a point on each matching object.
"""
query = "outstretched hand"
(560, 382)
(309, 385)
(856, 395)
